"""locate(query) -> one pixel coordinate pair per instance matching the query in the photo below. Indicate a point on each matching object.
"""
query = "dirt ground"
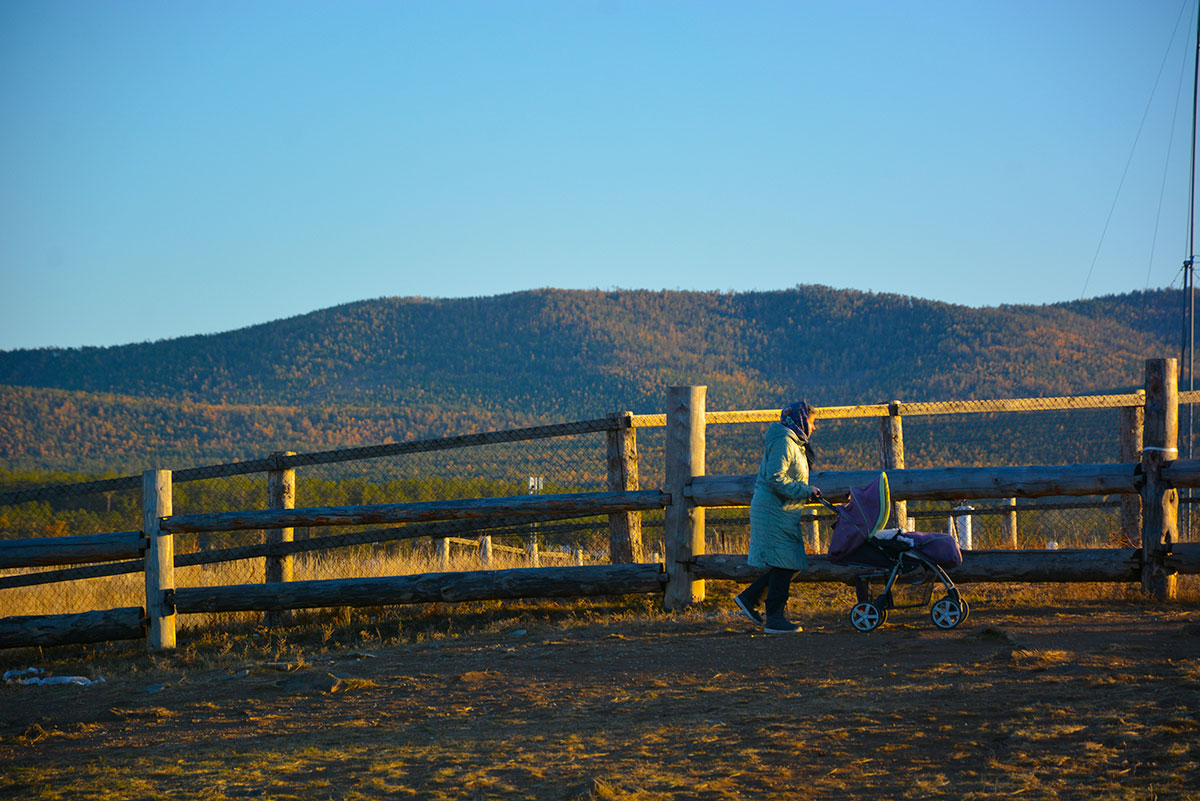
(1092, 700)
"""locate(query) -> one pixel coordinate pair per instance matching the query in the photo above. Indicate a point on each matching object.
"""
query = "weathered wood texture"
(281, 494)
(1131, 422)
(1160, 501)
(1008, 523)
(39, 630)
(1064, 565)
(321, 457)
(891, 440)
(1182, 473)
(624, 528)
(160, 560)
(480, 585)
(683, 531)
(1184, 558)
(322, 543)
(944, 483)
(577, 504)
(918, 409)
(45, 551)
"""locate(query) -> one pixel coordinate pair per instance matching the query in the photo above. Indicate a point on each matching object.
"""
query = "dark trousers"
(776, 583)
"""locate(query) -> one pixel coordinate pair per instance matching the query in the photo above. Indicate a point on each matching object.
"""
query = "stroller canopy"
(864, 514)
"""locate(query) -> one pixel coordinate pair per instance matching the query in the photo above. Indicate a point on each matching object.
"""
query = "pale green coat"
(779, 495)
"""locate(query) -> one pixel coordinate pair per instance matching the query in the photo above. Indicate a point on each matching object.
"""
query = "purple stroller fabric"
(864, 515)
(941, 549)
(860, 517)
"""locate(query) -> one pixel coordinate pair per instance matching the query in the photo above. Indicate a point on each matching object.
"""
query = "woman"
(779, 495)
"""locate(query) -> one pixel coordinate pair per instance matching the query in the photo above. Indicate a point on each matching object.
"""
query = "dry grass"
(111, 592)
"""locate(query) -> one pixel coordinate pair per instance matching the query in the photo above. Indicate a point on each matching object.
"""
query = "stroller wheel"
(866, 616)
(948, 613)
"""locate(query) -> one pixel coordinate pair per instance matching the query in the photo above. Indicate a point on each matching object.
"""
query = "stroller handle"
(828, 505)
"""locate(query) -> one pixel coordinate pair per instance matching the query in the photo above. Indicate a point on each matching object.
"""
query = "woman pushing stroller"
(780, 492)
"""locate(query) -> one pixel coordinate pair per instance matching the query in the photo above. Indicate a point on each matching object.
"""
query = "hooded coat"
(779, 495)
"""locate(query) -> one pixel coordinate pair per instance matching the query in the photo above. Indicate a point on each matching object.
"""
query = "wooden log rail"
(474, 545)
(478, 585)
(323, 543)
(1150, 482)
(126, 623)
(1068, 565)
(1073, 402)
(945, 482)
(44, 551)
(577, 504)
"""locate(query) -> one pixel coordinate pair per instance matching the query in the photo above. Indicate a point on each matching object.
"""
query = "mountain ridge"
(431, 367)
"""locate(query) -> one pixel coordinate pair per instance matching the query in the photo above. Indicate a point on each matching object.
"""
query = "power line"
(1133, 149)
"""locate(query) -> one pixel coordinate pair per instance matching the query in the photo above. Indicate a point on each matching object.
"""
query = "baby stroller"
(892, 555)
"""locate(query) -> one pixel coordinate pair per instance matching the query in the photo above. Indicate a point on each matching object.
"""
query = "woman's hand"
(813, 492)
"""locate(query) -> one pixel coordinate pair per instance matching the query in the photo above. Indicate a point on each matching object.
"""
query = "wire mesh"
(555, 459)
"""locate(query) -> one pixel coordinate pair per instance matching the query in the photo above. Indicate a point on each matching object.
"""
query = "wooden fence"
(1149, 479)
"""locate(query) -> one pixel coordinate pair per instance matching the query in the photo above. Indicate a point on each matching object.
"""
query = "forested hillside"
(402, 368)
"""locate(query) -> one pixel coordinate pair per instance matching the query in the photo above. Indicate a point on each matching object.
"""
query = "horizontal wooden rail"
(12, 497)
(925, 409)
(1063, 565)
(554, 555)
(39, 630)
(574, 504)
(1182, 473)
(501, 526)
(1021, 405)
(502, 548)
(282, 462)
(44, 551)
(951, 483)
(1184, 558)
(477, 585)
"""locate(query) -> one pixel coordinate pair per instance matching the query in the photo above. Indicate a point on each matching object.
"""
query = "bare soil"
(1090, 700)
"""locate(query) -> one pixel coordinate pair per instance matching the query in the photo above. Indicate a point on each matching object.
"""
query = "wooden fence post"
(442, 550)
(810, 529)
(624, 528)
(683, 532)
(891, 438)
(281, 494)
(1160, 503)
(160, 561)
(485, 550)
(1009, 523)
(1132, 422)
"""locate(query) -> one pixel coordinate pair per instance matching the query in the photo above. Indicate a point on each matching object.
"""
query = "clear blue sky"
(173, 168)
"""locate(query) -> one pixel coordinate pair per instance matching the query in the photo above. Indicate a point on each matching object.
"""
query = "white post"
(531, 541)
(961, 524)
(485, 550)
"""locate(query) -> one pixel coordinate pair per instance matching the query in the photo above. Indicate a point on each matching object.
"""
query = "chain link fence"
(563, 458)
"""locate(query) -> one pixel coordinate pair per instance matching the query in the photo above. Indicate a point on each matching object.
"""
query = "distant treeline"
(397, 369)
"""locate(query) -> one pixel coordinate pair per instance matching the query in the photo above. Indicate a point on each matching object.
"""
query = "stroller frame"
(869, 613)
(888, 560)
